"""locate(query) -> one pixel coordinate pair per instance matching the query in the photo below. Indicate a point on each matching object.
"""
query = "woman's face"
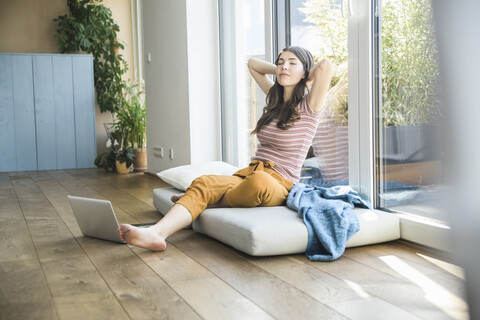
(289, 69)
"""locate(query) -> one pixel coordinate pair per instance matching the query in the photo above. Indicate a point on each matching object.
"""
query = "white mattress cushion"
(261, 231)
(264, 231)
(161, 198)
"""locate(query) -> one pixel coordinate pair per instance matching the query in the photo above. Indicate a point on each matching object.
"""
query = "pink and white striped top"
(288, 148)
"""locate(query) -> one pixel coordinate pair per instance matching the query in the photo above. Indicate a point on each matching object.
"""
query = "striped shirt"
(288, 148)
(330, 146)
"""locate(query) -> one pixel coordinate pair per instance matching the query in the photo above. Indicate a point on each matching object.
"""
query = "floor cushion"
(264, 231)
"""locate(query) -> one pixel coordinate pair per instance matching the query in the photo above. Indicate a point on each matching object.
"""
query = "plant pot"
(122, 167)
(140, 160)
(411, 143)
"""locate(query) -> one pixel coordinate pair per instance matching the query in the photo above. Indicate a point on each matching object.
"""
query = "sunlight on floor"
(453, 269)
(435, 293)
(357, 288)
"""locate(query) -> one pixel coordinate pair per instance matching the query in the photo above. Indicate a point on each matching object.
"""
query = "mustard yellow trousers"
(256, 185)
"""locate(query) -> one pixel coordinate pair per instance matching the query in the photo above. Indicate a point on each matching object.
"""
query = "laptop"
(95, 218)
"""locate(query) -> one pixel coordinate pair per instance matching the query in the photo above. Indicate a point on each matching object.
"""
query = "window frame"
(413, 228)
(137, 32)
(229, 66)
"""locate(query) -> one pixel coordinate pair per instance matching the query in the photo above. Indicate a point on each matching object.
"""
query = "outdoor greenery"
(409, 63)
(329, 25)
(409, 59)
(90, 28)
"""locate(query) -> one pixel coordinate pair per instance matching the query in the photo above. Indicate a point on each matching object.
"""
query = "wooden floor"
(48, 270)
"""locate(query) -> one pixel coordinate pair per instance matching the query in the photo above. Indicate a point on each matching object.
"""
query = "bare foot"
(141, 237)
(175, 197)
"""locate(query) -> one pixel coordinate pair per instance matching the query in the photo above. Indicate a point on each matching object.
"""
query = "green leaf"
(90, 27)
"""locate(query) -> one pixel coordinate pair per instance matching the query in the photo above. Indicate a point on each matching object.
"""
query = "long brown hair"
(276, 108)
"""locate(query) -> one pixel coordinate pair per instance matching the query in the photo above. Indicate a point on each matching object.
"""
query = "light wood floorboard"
(49, 270)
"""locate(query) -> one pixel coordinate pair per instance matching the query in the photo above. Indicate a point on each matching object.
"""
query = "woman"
(285, 132)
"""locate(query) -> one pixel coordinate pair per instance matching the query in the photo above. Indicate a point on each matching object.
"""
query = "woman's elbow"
(325, 64)
(324, 70)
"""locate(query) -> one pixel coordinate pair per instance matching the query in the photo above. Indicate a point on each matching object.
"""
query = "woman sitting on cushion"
(285, 132)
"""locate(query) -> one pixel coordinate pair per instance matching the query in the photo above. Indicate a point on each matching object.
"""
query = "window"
(321, 26)
(409, 155)
(243, 36)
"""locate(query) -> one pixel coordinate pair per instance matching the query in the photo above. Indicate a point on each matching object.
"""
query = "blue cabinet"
(47, 112)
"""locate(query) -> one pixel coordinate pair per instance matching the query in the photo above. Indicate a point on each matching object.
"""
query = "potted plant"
(120, 157)
(131, 120)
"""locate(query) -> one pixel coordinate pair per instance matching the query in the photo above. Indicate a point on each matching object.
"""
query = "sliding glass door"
(410, 154)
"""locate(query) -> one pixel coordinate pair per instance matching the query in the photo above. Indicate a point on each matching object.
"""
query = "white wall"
(182, 81)
(458, 42)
